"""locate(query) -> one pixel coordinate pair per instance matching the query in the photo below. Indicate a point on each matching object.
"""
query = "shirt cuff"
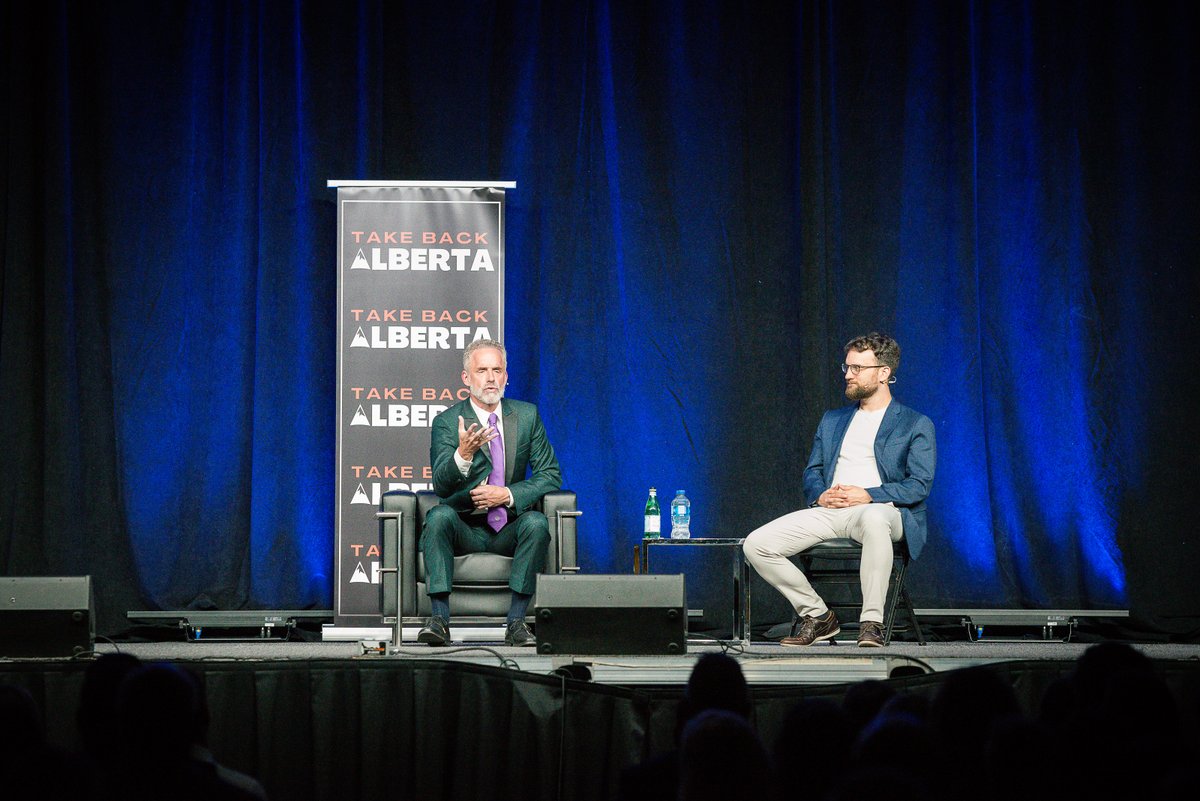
(464, 466)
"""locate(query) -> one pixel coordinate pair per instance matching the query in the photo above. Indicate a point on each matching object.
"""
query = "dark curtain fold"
(712, 197)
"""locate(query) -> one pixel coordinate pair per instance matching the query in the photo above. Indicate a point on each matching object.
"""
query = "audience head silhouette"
(722, 759)
(716, 682)
(160, 712)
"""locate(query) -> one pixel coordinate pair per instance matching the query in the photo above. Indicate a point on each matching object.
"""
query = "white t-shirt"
(856, 460)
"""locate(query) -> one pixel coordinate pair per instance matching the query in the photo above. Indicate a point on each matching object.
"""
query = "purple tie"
(496, 516)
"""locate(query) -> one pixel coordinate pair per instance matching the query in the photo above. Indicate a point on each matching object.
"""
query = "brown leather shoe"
(870, 634)
(813, 629)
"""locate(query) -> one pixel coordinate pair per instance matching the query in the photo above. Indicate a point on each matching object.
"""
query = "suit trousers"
(447, 534)
(875, 526)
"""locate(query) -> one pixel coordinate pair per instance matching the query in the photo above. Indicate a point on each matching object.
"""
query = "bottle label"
(652, 524)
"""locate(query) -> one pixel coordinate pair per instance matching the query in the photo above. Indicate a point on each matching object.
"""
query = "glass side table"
(740, 570)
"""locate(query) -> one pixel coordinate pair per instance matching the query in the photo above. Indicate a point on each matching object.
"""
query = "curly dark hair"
(886, 349)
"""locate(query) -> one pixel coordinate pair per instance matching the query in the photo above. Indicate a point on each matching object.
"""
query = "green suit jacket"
(527, 449)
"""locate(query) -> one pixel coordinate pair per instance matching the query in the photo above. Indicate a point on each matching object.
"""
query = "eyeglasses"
(855, 369)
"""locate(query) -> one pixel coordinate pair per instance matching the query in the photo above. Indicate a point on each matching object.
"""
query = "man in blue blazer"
(480, 452)
(867, 479)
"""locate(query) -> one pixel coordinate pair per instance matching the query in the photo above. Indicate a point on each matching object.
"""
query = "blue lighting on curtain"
(711, 199)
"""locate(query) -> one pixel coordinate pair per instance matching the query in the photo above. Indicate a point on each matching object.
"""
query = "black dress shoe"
(518, 634)
(435, 632)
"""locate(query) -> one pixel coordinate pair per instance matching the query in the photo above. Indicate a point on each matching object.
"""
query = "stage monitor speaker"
(595, 615)
(46, 616)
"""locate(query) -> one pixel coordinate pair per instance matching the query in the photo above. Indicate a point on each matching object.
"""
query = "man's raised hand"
(473, 438)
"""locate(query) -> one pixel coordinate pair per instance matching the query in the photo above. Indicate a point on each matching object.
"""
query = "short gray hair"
(479, 344)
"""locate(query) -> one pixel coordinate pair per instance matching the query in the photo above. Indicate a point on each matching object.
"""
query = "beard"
(857, 392)
(489, 397)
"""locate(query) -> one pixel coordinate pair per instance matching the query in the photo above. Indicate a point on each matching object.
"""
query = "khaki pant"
(875, 526)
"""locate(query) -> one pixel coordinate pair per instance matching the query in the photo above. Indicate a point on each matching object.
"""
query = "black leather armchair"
(480, 587)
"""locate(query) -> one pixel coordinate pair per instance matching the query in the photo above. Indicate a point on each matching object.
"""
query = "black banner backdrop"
(420, 276)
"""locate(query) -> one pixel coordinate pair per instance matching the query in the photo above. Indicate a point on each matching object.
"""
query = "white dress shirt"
(463, 465)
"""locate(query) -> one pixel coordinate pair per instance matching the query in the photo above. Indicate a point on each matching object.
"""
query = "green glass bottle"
(653, 527)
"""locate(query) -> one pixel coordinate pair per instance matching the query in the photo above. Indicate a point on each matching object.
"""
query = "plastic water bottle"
(653, 528)
(681, 516)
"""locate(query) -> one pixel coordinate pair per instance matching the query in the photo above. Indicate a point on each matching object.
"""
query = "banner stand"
(420, 276)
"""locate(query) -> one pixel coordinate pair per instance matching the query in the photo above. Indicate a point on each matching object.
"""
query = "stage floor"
(762, 663)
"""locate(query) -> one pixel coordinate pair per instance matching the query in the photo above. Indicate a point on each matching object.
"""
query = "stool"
(846, 550)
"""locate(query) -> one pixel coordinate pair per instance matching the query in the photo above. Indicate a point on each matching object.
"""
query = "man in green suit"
(480, 451)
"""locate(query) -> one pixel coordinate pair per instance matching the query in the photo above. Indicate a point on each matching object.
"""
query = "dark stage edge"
(319, 720)
(762, 663)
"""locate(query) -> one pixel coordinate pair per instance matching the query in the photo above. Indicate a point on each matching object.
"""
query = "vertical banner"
(420, 276)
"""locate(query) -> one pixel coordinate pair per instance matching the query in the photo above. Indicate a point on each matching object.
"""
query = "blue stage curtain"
(712, 197)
